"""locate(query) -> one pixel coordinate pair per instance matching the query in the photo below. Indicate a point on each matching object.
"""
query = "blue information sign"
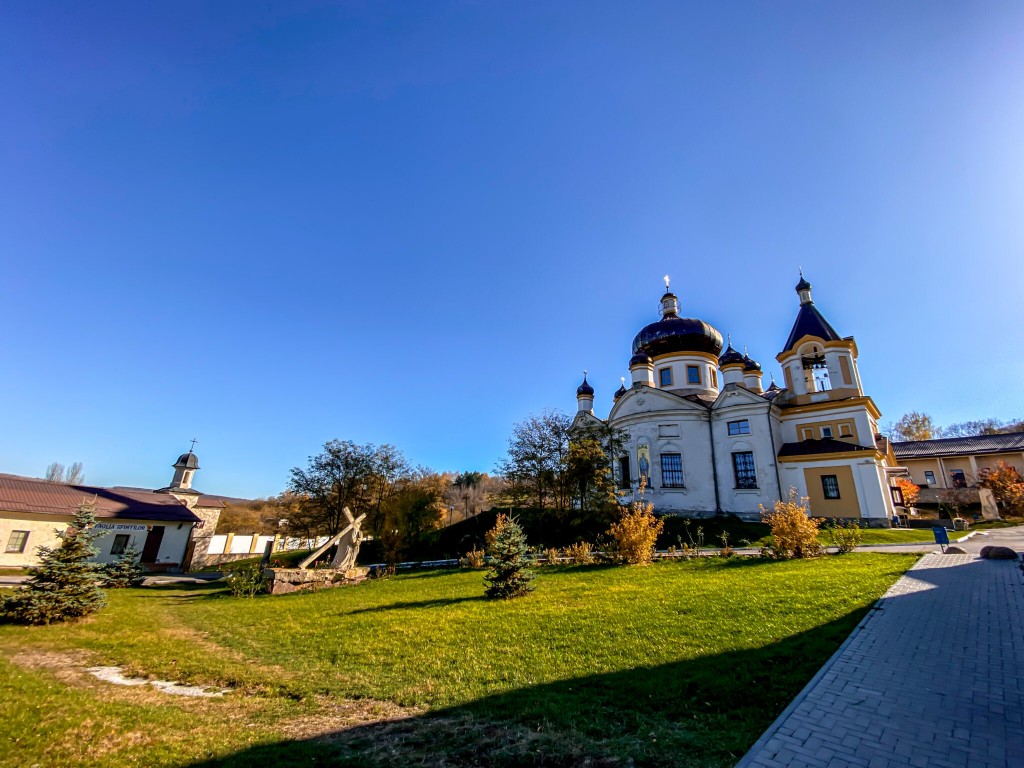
(941, 537)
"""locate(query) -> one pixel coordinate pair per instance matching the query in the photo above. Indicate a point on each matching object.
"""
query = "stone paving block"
(951, 696)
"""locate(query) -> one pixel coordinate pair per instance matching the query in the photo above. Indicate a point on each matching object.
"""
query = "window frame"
(744, 476)
(11, 549)
(739, 424)
(625, 480)
(693, 375)
(929, 477)
(826, 429)
(665, 377)
(672, 477)
(120, 543)
(830, 489)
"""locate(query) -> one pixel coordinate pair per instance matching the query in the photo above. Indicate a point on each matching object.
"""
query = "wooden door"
(152, 546)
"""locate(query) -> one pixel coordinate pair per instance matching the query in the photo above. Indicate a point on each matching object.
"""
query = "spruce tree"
(510, 575)
(64, 585)
(126, 571)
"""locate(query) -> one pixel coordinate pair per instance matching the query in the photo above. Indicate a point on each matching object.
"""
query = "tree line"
(545, 468)
(920, 426)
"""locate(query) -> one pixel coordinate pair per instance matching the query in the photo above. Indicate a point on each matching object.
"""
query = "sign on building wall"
(120, 527)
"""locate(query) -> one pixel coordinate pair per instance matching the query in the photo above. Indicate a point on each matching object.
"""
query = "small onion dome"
(187, 461)
(620, 391)
(750, 365)
(803, 285)
(640, 358)
(731, 356)
(584, 389)
(773, 387)
(678, 334)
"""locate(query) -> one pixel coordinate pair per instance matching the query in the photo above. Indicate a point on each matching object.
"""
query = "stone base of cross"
(348, 544)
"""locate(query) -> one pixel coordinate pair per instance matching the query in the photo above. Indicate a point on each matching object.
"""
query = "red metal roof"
(23, 494)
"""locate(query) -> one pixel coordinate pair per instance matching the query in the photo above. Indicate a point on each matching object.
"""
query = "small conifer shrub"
(510, 574)
(794, 533)
(64, 585)
(126, 571)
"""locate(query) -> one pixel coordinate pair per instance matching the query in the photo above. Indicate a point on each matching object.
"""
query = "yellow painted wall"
(917, 468)
(812, 430)
(40, 532)
(991, 461)
(847, 505)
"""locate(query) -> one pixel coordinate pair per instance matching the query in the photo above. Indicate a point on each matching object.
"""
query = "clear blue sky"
(266, 225)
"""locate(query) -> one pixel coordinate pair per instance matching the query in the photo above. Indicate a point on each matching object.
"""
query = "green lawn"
(673, 664)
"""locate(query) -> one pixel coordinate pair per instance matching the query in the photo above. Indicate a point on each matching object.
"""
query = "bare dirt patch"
(338, 716)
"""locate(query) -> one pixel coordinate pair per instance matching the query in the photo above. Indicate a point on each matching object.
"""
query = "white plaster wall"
(741, 501)
(42, 531)
(172, 546)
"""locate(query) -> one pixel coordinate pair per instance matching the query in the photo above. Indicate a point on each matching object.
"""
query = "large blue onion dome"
(677, 334)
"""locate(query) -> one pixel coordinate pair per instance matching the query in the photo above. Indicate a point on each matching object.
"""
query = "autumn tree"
(344, 474)
(1006, 484)
(912, 426)
(589, 476)
(536, 458)
(981, 427)
(910, 491)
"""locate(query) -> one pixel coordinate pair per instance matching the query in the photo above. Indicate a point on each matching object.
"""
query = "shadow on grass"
(700, 712)
(414, 605)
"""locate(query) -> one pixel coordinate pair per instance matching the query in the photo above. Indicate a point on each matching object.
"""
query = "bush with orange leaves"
(634, 535)
(794, 532)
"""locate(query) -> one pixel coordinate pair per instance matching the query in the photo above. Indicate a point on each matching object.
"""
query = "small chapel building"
(166, 525)
(704, 437)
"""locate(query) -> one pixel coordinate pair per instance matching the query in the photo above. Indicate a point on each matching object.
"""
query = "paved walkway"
(933, 677)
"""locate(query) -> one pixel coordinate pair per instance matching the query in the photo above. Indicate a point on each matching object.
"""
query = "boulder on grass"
(998, 553)
(955, 550)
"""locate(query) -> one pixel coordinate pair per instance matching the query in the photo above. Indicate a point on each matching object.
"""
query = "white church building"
(705, 437)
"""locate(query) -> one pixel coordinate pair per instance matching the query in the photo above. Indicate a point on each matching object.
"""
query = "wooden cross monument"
(348, 544)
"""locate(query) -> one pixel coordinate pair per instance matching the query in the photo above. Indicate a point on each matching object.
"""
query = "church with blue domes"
(705, 437)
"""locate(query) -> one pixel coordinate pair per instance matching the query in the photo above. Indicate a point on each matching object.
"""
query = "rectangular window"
(826, 431)
(743, 467)
(806, 433)
(624, 479)
(845, 430)
(929, 477)
(120, 544)
(17, 541)
(714, 378)
(741, 427)
(692, 374)
(830, 485)
(671, 470)
(958, 478)
(665, 375)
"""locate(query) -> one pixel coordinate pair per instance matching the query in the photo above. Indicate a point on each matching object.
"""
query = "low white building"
(162, 524)
(705, 438)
